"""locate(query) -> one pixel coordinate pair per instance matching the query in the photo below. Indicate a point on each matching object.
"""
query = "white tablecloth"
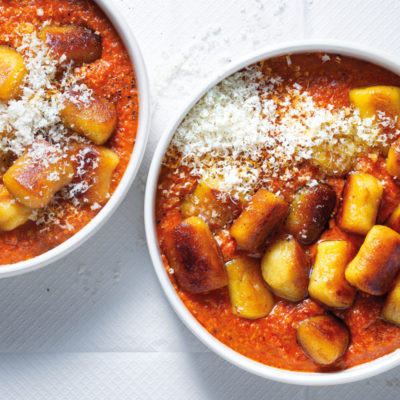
(96, 325)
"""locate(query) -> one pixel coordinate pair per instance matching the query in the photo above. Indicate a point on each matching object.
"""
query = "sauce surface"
(272, 340)
(111, 77)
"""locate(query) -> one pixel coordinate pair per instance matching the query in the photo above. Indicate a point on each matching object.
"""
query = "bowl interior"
(140, 144)
(301, 378)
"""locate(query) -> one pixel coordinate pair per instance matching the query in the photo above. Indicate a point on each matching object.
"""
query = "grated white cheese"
(325, 58)
(95, 206)
(35, 114)
(244, 130)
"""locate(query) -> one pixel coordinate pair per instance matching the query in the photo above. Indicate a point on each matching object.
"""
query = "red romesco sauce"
(112, 77)
(272, 340)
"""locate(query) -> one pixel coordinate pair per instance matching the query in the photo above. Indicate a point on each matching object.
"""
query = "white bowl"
(141, 139)
(301, 378)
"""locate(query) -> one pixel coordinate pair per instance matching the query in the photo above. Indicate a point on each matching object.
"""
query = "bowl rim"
(353, 374)
(122, 27)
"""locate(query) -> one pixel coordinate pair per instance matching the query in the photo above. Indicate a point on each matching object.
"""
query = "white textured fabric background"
(96, 325)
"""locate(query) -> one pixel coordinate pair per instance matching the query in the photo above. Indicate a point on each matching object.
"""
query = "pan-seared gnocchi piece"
(93, 117)
(94, 166)
(391, 308)
(12, 72)
(377, 263)
(393, 160)
(38, 174)
(393, 221)
(285, 268)
(328, 284)
(361, 199)
(249, 295)
(195, 257)
(310, 211)
(261, 216)
(323, 338)
(372, 99)
(12, 213)
(214, 206)
(77, 43)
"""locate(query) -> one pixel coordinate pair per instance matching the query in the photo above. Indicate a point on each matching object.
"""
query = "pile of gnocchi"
(273, 238)
(31, 181)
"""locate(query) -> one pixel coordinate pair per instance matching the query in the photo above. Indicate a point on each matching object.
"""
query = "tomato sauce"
(111, 77)
(272, 340)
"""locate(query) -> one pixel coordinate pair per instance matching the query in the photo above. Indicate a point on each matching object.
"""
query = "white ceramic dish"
(301, 378)
(144, 118)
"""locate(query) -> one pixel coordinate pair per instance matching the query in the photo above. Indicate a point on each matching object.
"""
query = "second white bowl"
(301, 378)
